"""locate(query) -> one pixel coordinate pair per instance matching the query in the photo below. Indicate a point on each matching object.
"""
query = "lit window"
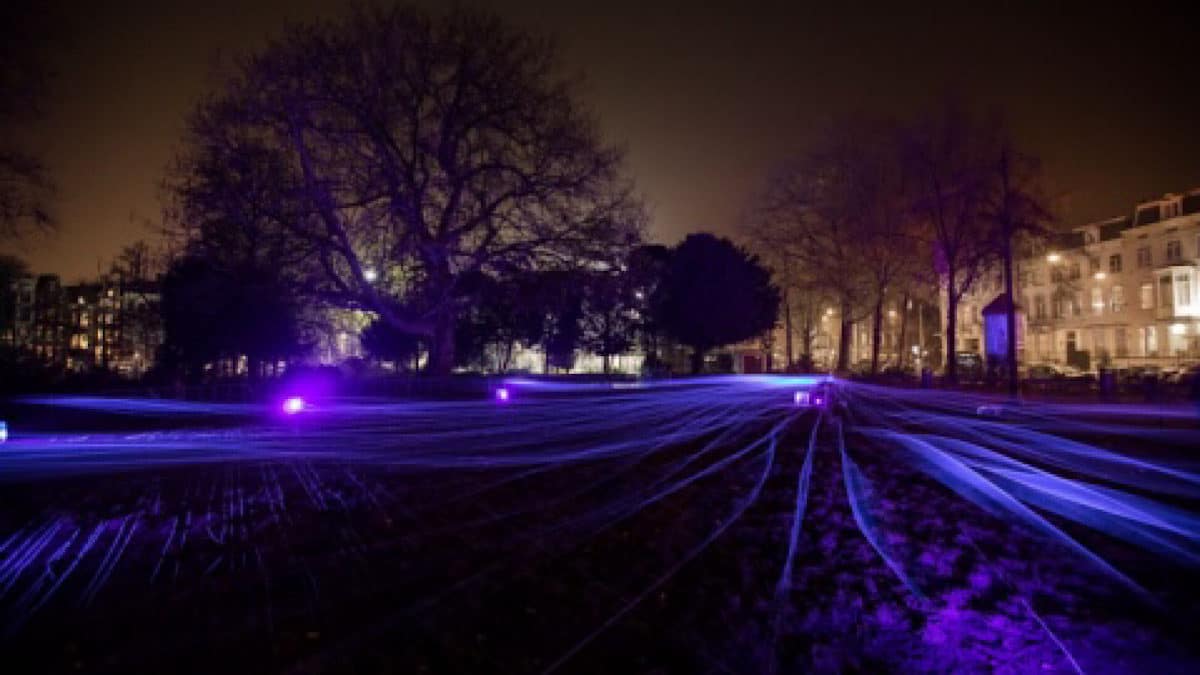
(1174, 251)
(1039, 307)
(1118, 299)
(1097, 300)
(1183, 290)
(1147, 296)
(1114, 263)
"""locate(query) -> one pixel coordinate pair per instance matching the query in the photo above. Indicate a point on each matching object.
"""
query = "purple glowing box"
(502, 395)
(293, 405)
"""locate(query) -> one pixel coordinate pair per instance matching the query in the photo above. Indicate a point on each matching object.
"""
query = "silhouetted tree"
(25, 185)
(609, 314)
(715, 294)
(210, 313)
(812, 211)
(647, 270)
(1017, 209)
(950, 158)
(12, 268)
(421, 147)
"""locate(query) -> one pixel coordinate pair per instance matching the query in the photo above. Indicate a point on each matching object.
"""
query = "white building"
(1122, 291)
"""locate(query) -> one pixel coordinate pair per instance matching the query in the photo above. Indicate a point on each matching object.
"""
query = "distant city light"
(3, 431)
(1053, 258)
(370, 274)
(293, 405)
(1178, 329)
(1100, 276)
(502, 394)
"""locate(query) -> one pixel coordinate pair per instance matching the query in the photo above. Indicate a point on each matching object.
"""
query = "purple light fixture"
(293, 405)
(502, 395)
(800, 398)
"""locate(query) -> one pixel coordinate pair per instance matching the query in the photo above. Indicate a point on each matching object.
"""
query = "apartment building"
(1120, 292)
(111, 324)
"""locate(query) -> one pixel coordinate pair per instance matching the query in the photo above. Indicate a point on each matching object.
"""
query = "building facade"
(110, 324)
(1117, 293)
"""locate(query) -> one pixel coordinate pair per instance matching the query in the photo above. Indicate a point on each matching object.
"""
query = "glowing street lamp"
(502, 395)
(370, 274)
(1053, 258)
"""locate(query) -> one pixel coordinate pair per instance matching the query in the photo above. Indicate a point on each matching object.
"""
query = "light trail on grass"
(539, 479)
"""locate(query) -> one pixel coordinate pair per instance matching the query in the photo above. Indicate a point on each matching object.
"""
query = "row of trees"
(885, 209)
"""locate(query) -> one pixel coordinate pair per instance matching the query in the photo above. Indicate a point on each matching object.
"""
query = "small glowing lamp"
(1178, 329)
(1100, 276)
(502, 394)
(800, 398)
(3, 431)
(1053, 257)
(370, 274)
(293, 405)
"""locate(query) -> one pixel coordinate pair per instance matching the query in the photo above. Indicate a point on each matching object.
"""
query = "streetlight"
(370, 274)
(1053, 258)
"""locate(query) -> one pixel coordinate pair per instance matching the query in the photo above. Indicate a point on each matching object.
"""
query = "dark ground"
(600, 531)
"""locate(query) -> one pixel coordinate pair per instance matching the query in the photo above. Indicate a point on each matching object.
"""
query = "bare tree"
(841, 213)
(949, 158)
(1019, 208)
(26, 189)
(406, 151)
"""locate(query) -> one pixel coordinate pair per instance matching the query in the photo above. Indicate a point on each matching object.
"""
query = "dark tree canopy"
(715, 294)
(211, 313)
(402, 152)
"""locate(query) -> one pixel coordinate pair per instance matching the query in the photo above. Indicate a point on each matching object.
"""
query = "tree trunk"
(441, 351)
(697, 360)
(604, 361)
(951, 335)
(806, 339)
(787, 328)
(902, 340)
(876, 332)
(1011, 315)
(844, 339)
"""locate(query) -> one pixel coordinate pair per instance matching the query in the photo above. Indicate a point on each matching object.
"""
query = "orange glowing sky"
(704, 100)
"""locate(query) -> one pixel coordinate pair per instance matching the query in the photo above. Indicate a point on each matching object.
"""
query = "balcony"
(1176, 290)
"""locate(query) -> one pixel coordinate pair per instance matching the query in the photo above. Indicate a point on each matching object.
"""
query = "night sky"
(705, 100)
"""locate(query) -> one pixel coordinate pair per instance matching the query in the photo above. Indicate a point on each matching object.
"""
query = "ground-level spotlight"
(801, 398)
(293, 405)
(502, 394)
(3, 431)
